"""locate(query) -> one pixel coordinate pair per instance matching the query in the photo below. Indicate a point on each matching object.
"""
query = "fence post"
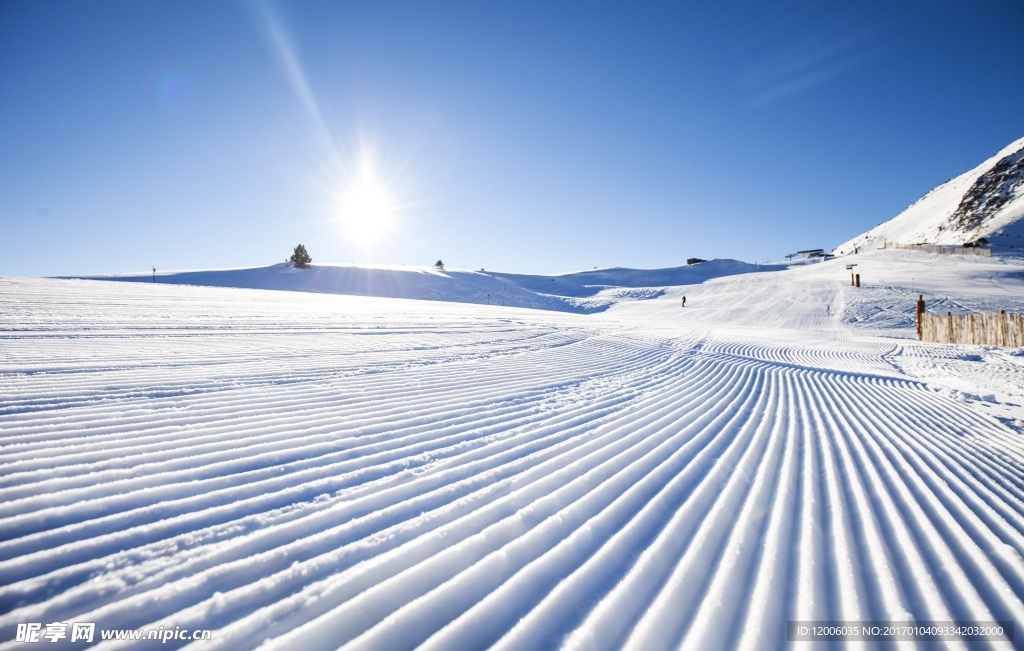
(920, 311)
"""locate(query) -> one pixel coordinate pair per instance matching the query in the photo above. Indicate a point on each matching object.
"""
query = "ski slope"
(303, 470)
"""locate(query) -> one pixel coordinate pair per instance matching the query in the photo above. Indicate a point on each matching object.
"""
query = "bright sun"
(367, 211)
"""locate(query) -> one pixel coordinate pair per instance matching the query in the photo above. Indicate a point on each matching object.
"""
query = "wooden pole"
(920, 313)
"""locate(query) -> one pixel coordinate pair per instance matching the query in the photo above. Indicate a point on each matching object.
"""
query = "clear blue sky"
(517, 136)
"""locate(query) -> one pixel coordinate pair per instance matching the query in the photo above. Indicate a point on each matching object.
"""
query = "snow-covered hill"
(303, 470)
(987, 201)
(582, 292)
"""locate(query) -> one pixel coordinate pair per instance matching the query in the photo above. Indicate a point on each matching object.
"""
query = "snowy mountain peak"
(987, 201)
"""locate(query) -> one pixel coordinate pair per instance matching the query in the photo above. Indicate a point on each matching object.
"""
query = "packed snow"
(310, 470)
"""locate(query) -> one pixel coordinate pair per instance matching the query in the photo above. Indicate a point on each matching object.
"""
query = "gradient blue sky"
(535, 137)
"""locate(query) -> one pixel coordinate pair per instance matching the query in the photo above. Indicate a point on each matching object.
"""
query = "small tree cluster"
(439, 265)
(300, 258)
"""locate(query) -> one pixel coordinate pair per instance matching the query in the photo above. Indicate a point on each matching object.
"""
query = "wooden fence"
(940, 248)
(995, 329)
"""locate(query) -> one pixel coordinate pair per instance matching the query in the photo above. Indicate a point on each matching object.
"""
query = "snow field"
(305, 470)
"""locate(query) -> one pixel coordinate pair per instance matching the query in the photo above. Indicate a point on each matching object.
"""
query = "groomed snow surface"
(309, 471)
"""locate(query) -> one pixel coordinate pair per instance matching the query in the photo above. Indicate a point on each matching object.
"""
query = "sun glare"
(367, 211)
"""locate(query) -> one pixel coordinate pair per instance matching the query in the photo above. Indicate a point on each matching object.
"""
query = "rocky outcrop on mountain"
(989, 195)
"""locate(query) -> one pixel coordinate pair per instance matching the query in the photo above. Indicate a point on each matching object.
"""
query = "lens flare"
(362, 194)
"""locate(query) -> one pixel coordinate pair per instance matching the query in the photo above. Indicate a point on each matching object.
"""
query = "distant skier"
(684, 302)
